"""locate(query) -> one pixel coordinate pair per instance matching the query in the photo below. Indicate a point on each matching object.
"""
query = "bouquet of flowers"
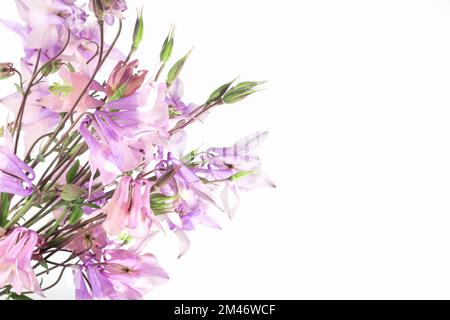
(91, 170)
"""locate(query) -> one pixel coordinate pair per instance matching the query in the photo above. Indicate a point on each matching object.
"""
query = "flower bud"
(138, 30)
(219, 92)
(99, 9)
(71, 192)
(242, 91)
(166, 51)
(6, 70)
(51, 68)
(176, 69)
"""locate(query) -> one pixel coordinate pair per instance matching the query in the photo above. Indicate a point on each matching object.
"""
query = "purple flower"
(113, 9)
(16, 251)
(191, 202)
(238, 167)
(178, 109)
(112, 151)
(15, 176)
(121, 275)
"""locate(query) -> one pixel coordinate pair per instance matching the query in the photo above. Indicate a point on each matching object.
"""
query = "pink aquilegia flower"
(16, 251)
(129, 209)
(123, 274)
(123, 81)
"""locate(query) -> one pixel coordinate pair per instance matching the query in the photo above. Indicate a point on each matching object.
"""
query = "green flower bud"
(242, 91)
(71, 192)
(219, 92)
(51, 68)
(166, 51)
(176, 69)
(99, 9)
(138, 30)
(6, 70)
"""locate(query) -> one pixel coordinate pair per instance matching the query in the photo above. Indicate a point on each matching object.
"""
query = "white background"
(358, 111)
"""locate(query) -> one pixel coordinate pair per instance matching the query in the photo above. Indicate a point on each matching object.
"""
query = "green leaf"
(5, 200)
(19, 88)
(76, 215)
(15, 296)
(176, 69)
(71, 174)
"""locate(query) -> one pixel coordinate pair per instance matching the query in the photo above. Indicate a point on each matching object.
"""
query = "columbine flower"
(190, 202)
(239, 168)
(129, 209)
(177, 108)
(112, 151)
(37, 120)
(111, 9)
(15, 176)
(48, 20)
(123, 274)
(64, 94)
(123, 82)
(16, 251)
(90, 243)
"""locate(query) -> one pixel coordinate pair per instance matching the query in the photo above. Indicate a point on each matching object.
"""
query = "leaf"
(15, 296)
(71, 174)
(76, 215)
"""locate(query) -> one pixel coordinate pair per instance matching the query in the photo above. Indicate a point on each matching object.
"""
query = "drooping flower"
(177, 108)
(16, 251)
(47, 21)
(112, 9)
(90, 243)
(15, 176)
(112, 152)
(37, 119)
(239, 169)
(122, 274)
(123, 81)
(62, 96)
(129, 209)
(189, 203)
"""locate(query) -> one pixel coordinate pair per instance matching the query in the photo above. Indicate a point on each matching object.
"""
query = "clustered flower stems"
(90, 171)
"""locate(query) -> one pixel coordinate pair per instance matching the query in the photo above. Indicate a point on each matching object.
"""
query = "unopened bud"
(219, 92)
(71, 192)
(176, 69)
(99, 9)
(242, 91)
(51, 68)
(6, 70)
(166, 51)
(138, 30)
